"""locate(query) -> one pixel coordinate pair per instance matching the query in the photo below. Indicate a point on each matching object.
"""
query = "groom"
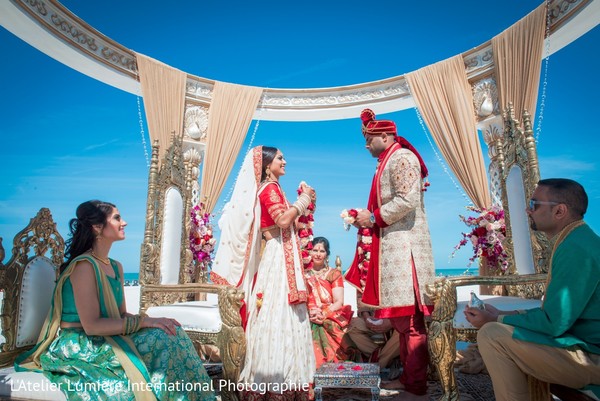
(401, 262)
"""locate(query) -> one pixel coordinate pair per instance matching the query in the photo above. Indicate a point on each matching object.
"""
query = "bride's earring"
(268, 172)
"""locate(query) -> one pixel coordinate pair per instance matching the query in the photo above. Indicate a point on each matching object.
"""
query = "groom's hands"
(363, 219)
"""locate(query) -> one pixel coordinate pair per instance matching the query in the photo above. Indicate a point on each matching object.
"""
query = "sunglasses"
(533, 203)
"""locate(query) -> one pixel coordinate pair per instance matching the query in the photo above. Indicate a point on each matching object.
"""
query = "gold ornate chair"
(170, 285)
(27, 283)
(514, 173)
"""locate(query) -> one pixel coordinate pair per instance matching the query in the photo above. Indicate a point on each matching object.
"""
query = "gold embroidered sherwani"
(400, 200)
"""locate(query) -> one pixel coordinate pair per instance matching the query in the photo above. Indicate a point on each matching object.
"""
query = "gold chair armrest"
(230, 298)
(188, 287)
(443, 292)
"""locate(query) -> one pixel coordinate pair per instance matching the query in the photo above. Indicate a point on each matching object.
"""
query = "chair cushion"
(502, 303)
(170, 247)
(28, 386)
(202, 316)
(34, 303)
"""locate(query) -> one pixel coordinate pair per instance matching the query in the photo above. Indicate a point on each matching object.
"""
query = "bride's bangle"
(302, 203)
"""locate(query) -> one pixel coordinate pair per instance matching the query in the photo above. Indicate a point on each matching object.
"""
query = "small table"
(350, 375)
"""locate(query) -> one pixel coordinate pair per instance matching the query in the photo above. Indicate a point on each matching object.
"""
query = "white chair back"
(34, 300)
(519, 222)
(170, 255)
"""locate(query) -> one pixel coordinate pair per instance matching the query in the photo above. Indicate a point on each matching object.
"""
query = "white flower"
(348, 219)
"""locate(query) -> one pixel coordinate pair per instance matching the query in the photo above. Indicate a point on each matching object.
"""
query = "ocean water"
(470, 271)
(133, 278)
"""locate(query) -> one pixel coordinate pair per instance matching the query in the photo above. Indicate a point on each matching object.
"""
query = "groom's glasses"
(533, 203)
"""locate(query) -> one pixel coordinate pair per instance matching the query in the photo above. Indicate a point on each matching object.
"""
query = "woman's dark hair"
(322, 240)
(268, 154)
(569, 192)
(89, 214)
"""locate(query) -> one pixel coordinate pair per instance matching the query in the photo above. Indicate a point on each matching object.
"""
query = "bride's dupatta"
(122, 346)
(238, 253)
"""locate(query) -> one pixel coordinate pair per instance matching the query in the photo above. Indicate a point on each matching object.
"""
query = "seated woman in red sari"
(328, 315)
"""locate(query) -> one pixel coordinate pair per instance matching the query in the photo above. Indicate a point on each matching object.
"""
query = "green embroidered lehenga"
(146, 365)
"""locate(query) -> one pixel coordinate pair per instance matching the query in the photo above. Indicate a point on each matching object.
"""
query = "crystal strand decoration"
(440, 160)
(142, 133)
(538, 129)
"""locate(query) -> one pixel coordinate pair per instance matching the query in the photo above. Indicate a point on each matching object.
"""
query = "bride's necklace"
(106, 261)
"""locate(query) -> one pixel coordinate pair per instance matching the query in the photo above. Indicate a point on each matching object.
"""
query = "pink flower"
(202, 243)
(488, 232)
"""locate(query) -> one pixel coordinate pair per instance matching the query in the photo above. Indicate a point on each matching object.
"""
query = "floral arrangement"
(202, 242)
(364, 241)
(488, 232)
(305, 231)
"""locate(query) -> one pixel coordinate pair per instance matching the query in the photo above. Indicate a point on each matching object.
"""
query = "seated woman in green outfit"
(90, 347)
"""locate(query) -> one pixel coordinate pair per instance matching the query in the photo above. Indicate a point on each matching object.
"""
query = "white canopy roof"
(60, 34)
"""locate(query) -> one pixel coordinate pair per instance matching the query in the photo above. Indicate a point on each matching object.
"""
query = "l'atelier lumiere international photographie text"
(178, 386)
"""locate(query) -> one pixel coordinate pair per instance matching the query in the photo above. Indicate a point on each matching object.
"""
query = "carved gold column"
(148, 249)
(193, 156)
(492, 129)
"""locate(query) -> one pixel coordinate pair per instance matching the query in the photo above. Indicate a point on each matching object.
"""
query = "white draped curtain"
(230, 114)
(444, 98)
(517, 62)
(163, 89)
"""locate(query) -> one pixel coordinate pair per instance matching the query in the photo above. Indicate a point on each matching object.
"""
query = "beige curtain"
(517, 62)
(445, 100)
(163, 89)
(230, 114)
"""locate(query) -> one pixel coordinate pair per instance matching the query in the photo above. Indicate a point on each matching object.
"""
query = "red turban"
(376, 127)
(370, 126)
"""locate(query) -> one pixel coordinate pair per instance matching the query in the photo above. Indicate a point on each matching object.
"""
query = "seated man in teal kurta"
(560, 341)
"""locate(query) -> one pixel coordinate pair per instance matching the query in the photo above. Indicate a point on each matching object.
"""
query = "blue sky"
(68, 138)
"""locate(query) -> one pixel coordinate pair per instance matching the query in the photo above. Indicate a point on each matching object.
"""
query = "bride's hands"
(166, 324)
(307, 190)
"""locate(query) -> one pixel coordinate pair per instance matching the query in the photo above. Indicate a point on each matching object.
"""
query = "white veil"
(238, 252)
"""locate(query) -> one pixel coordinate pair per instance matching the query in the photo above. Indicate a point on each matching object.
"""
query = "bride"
(280, 362)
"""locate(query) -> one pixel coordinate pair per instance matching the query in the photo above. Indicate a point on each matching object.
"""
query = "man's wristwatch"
(372, 218)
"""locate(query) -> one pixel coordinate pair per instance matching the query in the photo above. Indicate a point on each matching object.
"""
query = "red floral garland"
(364, 239)
(305, 231)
